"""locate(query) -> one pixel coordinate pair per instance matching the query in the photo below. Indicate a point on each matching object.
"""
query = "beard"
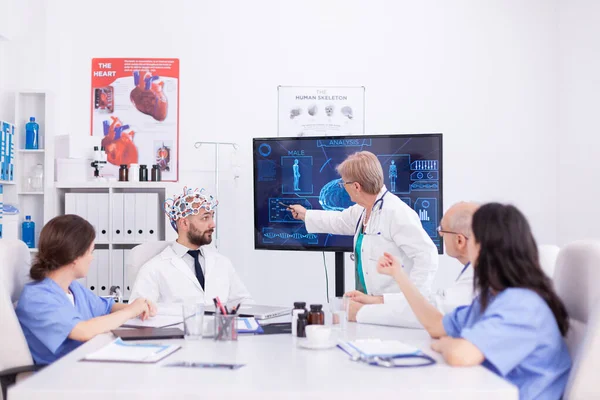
(199, 238)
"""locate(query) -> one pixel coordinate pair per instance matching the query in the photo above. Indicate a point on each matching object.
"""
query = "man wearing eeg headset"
(190, 268)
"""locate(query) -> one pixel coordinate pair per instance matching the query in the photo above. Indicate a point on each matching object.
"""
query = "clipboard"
(122, 352)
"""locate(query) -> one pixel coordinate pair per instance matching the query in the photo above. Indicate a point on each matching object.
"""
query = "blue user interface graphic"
(302, 171)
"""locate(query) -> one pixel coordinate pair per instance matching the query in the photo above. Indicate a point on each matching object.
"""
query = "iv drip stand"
(217, 144)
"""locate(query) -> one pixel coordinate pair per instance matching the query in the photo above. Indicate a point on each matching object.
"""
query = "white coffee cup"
(318, 334)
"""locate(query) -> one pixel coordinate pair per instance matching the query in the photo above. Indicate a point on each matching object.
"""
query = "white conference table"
(276, 368)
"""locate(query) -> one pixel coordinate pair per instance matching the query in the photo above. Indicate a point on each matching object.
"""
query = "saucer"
(305, 344)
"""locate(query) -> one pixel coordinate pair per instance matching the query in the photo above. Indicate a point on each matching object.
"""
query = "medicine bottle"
(316, 316)
(299, 308)
(302, 323)
(123, 173)
(134, 173)
(143, 173)
(155, 173)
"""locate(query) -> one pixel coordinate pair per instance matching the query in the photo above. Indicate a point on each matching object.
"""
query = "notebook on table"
(120, 351)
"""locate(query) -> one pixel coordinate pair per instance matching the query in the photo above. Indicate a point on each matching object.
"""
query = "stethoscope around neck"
(378, 202)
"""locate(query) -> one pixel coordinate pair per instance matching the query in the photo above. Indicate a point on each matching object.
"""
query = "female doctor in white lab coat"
(380, 222)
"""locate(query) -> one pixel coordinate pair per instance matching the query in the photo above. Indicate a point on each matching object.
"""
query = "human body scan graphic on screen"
(303, 171)
(296, 168)
(393, 176)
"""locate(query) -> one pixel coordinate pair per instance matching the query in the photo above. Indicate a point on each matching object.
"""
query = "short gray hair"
(461, 220)
(364, 168)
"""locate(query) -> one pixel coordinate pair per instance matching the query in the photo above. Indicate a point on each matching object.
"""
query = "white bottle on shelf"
(134, 173)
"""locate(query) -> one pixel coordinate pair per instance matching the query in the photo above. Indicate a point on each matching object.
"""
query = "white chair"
(15, 357)
(548, 254)
(577, 282)
(139, 256)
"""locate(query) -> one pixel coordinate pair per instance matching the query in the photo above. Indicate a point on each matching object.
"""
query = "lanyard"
(463, 270)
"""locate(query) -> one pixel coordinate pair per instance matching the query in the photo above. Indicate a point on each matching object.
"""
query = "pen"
(287, 206)
(220, 305)
(236, 308)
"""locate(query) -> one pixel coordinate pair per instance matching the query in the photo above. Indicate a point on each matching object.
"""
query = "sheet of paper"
(371, 347)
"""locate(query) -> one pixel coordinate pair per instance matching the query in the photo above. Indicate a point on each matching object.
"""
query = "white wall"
(483, 73)
(23, 56)
(579, 136)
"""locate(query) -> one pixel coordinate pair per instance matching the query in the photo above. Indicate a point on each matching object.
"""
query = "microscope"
(99, 161)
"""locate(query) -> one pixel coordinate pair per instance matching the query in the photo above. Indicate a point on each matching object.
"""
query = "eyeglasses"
(342, 183)
(440, 230)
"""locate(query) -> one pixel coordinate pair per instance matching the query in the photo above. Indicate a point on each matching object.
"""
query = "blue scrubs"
(47, 317)
(520, 339)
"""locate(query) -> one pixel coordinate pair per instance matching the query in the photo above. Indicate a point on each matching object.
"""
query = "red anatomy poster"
(135, 110)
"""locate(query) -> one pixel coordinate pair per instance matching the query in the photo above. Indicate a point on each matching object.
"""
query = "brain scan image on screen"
(333, 196)
(302, 170)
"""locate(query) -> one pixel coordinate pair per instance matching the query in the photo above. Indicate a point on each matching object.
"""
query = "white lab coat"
(166, 278)
(460, 293)
(393, 227)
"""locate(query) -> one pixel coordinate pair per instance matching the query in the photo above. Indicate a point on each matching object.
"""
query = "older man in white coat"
(190, 268)
(455, 228)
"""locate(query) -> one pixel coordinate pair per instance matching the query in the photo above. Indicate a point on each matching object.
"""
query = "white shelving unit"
(32, 201)
(112, 188)
(31, 151)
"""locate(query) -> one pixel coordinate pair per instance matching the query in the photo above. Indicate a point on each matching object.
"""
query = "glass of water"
(193, 320)
(338, 307)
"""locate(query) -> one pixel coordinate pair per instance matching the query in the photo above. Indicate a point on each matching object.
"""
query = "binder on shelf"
(3, 146)
(103, 273)
(11, 154)
(152, 212)
(117, 218)
(92, 200)
(70, 203)
(117, 271)
(92, 276)
(81, 205)
(129, 217)
(140, 217)
(128, 285)
(102, 201)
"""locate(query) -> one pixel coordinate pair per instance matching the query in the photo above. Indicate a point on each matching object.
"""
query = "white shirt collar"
(181, 250)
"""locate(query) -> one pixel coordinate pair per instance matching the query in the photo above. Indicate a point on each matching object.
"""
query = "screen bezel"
(332, 249)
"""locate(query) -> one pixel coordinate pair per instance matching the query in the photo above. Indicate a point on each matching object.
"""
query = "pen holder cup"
(225, 327)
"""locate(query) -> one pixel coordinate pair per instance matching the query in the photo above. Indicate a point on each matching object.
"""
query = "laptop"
(148, 333)
(256, 311)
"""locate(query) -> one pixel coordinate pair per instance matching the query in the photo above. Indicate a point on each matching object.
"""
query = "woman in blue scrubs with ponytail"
(56, 312)
(516, 325)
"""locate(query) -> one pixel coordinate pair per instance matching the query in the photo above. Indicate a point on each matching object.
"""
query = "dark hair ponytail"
(63, 240)
(508, 257)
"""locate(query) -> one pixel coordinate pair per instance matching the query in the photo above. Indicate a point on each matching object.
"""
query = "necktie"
(197, 266)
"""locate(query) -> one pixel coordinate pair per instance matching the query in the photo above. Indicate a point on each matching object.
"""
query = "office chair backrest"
(548, 254)
(140, 255)
(577, 282)
(15, 262)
